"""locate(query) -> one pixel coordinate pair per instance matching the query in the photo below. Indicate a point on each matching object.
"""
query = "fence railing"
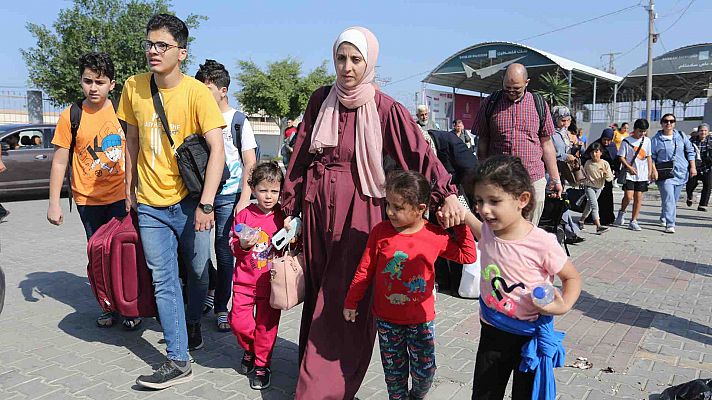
(630, 111)
(15, 108)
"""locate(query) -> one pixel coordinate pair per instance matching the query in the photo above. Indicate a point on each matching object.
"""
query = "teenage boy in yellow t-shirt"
(98, 159)
(167, 216)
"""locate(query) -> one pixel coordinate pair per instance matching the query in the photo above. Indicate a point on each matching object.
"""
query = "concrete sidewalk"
(644, 312)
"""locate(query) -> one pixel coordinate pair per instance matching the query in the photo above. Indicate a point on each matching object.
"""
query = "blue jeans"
(93, 217)
(669, 193)
(161, 230)
(222, 281)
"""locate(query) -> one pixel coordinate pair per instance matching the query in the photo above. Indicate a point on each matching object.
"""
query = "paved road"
(645, 312)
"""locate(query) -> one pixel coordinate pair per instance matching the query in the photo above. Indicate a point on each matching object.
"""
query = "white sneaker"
(670, 229)
(662, 222)
(620, 219)
(633, 226)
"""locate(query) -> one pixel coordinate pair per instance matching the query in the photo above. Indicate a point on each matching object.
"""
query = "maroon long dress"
(334, 354)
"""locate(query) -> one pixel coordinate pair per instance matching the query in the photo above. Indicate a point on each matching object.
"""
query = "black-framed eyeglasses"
(668, 121)
(161, 47)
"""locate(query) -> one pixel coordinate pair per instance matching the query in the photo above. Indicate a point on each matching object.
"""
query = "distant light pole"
(651, 40)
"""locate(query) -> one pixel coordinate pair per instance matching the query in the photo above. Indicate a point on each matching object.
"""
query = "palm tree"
(555, 89)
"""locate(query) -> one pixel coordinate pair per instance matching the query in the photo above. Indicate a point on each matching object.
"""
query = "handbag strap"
(158, 105)
(635, 155)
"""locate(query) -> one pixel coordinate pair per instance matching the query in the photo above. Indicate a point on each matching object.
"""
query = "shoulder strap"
(491, 104)
(635, 155)
(158, 105)
(238, 119)
(75, 119)
(540, 105)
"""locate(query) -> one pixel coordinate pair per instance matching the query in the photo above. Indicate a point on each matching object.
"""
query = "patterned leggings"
(407, 348)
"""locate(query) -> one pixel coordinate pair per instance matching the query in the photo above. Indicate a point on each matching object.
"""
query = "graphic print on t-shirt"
(261, 251)
(395, 283)
(498, 297)
(103, 155)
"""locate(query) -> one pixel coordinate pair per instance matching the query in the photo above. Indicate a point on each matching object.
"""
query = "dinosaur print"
(395, 265)
(415, 284)
(398, 298)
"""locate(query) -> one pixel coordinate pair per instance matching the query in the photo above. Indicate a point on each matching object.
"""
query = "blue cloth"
(540, 355)
(663, 148)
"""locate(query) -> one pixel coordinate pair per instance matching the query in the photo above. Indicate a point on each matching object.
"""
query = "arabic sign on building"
(690, 59)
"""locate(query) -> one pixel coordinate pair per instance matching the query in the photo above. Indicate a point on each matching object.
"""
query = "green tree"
(280, 91)
(115, 27)
(555, 89)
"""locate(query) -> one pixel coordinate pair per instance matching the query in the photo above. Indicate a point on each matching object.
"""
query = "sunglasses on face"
(668, 121)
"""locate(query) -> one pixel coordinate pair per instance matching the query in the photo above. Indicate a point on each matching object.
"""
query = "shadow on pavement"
(694, 268)
(75, 292)
(631, 315)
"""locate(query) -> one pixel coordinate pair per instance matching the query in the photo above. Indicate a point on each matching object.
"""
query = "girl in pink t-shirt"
(516, 256)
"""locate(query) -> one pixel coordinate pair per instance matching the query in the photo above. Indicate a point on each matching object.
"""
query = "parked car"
(27, 152)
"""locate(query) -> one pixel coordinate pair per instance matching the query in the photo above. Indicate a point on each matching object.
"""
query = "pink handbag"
(287, 281)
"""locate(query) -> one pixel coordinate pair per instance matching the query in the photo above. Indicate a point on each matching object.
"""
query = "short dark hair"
(624, 124)
(642, 124)
(458, 120)
(99, 63)
(266, 171)
(667, 115)
(508, 173)
(174, 25)
(594, 146)
(213, 72)
(410, 185)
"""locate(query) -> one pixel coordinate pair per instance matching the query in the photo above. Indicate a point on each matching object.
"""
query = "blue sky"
(415, 36)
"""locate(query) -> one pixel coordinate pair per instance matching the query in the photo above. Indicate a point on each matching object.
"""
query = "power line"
(678, 18)
(583, 22)
(405, 79)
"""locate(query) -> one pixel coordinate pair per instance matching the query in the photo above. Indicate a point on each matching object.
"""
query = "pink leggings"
(254, 322)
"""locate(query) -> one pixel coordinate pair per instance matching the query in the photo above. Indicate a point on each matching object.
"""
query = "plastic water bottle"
(543, 294)
(245, 232)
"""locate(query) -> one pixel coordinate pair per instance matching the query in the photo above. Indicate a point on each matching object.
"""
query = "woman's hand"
(350, 315)
(570, 157)
(451, 213)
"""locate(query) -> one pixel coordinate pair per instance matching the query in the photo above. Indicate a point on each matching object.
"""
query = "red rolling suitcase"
(117, 270)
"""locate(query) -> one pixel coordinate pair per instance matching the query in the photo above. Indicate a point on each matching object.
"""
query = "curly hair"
(509, 174)
(266, 171)
(99, 63)
(213, 72)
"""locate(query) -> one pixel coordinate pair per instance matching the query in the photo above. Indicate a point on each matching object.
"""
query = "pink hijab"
(369, 139)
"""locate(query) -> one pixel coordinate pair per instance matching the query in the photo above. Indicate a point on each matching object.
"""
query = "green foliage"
(115, 27)
(280, 90)
(555, 89)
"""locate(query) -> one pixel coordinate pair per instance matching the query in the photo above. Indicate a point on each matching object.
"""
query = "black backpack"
(75, 119)
(539, 103)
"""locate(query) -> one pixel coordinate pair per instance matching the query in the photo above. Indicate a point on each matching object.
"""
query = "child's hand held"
(557, 307)
(350, 315)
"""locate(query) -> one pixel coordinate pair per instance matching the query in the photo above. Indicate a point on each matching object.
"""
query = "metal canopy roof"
(481, 68)
(682, 74)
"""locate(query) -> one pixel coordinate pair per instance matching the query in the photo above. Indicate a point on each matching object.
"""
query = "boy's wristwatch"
(206, 208)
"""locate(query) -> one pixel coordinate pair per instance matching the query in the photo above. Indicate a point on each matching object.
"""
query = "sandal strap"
(222, 318)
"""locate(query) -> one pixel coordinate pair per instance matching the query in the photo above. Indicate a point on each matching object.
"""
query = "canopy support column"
(615, 102)
(593, 108)
(569, 100)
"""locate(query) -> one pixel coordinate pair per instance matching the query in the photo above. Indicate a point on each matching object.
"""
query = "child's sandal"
(222, 322)
(105, 320)
(131, 324)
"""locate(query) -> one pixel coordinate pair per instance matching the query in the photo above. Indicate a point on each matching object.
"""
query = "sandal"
(105, 320)
(131, 324)
(223, 324)
(208, 303)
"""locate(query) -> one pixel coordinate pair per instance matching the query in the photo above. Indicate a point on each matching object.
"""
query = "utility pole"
(611, 59)
(651, 38)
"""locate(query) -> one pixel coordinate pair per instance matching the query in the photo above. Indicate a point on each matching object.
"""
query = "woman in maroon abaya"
(335, 179)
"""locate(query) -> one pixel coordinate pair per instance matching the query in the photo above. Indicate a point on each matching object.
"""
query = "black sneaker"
(166, 376)
(195, 338)
(248, 364)
(601, 229)
(261, 379)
